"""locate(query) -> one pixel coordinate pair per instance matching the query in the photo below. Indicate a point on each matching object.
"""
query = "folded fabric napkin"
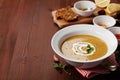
(100, 69)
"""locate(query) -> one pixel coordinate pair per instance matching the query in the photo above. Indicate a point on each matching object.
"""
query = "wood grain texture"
(26, 28)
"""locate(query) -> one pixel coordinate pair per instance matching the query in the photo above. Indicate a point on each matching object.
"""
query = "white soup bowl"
(104, 34)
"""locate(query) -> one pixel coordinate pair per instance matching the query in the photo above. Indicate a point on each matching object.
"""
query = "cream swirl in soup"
(84, 47)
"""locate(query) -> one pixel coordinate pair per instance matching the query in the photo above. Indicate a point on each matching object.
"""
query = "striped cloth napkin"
(100, 69)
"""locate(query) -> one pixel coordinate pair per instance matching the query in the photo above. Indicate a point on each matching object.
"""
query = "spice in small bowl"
(102, 25)
(84, 8)
(104, 21)
(116, 31)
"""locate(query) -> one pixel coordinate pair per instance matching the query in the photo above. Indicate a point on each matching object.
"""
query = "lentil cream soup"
(84, 47)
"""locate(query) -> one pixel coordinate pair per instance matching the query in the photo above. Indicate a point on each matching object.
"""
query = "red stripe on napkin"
(100, 69)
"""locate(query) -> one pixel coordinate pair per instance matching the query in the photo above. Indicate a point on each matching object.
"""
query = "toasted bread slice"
(67, 14)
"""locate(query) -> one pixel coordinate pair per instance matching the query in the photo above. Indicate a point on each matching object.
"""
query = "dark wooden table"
(26, 28)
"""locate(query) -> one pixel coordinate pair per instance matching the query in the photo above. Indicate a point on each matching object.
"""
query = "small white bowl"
(88, 5)
(104, 21)
(116, 31)
(104, 34)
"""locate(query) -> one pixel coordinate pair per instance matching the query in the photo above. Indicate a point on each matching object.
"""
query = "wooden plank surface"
(26, 28)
